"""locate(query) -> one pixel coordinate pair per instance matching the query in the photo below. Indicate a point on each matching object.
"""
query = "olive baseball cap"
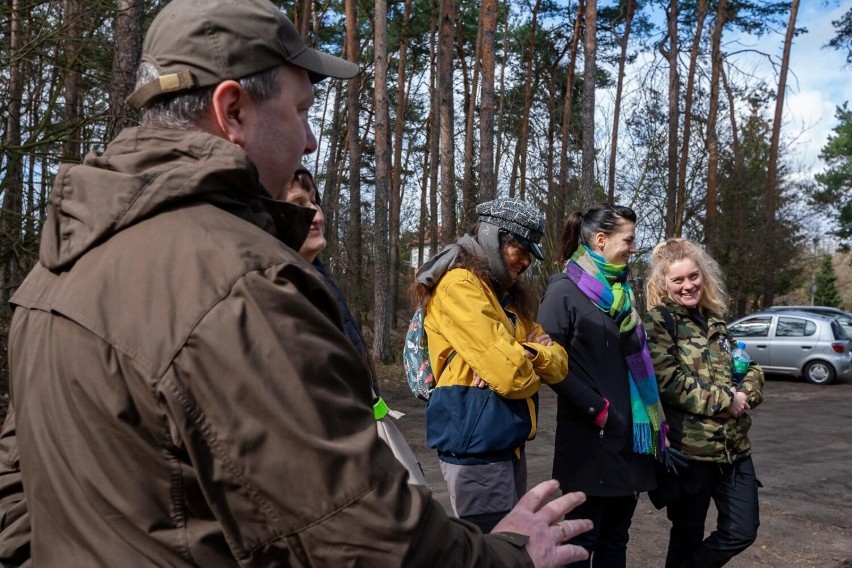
(198, 43)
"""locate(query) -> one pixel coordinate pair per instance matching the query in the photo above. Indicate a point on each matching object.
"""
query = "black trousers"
(733, 488)
(607, 541)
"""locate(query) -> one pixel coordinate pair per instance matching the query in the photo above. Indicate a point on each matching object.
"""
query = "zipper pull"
(601, 436)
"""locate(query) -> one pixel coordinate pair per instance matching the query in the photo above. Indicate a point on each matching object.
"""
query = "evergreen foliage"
(826, 293)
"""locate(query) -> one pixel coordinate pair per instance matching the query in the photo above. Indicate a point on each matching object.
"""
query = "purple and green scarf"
(606, 285)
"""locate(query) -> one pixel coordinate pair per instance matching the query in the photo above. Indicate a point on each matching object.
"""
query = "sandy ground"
(802, 440)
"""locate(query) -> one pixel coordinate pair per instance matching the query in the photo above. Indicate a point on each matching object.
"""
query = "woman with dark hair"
(489, 357)
(303, 192)
(706, 405)
(609, 424)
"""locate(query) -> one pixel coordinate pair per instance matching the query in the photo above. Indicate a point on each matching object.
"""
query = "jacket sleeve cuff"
(508, 545)
(601, 416)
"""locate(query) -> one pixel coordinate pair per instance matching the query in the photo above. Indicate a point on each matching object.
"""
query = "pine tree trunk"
(445, 92)
(469, 193)
(12, 181)
(498, 138)
(303, 18)
(487, 183)
(616, 116)
(128, 48)
(73, 16)
(523, 143)
(589, 74)
(559, 201)
(381, 288)
(352, 112)
(396, 177)
(435, 134)
(712, 135)
(680, 199)
(772, 170)
(674, 93)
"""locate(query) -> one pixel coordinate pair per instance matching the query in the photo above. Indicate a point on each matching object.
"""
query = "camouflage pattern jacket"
(695, 380)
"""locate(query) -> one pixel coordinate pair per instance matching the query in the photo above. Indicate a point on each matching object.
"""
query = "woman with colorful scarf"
(609, 424)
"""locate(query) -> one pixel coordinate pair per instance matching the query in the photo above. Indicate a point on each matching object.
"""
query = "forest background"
(653, 104)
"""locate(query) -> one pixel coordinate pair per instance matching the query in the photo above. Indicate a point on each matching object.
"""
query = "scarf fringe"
(643, 439)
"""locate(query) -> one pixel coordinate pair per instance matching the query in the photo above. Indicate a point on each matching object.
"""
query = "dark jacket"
(185, 395)
(600, 463)
(350, 325)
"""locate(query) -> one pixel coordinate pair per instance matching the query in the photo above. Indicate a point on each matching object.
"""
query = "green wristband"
(380, 408)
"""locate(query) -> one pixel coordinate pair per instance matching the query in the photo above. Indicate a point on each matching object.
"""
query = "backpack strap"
(669, 324)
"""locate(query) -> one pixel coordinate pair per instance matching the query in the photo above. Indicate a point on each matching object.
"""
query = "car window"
(752, 327)
(839, 332)
(794, 327)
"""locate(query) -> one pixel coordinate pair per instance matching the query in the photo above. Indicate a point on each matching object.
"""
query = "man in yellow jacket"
(489, 357)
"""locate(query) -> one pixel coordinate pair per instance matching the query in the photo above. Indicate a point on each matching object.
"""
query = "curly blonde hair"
(714, 296)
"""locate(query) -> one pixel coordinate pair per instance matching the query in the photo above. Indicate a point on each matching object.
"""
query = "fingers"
(570, 553)
(479, 381)
(532, 500)
(574, 527)
(558, 508)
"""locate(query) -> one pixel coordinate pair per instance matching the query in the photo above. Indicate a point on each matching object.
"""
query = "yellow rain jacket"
(466, 424)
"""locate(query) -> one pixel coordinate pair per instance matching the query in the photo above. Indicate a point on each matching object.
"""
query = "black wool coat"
(586, 458)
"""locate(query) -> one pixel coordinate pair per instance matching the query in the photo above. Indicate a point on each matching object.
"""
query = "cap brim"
(321, 65)
(535, 250)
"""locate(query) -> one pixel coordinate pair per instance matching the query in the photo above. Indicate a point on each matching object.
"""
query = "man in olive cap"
(182, 391)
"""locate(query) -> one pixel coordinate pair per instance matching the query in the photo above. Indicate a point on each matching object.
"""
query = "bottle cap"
(741, 344)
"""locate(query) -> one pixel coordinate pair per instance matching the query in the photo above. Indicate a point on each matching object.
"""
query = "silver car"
(844, 318)
(796, 343)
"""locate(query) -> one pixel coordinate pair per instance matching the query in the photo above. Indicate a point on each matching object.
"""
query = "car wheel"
(819, 373)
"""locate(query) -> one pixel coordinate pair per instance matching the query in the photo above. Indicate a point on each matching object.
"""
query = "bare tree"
(445, 92)
(589, 73)
(772, 170)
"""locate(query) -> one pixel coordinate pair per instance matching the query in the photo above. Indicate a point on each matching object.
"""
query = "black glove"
(674, 460)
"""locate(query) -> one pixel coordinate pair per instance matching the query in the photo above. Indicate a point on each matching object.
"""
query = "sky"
(817, 82)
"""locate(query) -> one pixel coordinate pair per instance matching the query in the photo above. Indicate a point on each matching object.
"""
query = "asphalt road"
(802, 442)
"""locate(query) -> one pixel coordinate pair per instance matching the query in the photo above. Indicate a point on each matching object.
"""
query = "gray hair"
(186, 110)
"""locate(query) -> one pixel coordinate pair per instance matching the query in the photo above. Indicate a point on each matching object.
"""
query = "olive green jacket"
(183, 390)
(695, 381)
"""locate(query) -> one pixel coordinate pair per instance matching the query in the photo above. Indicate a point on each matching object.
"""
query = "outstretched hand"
(543, 523)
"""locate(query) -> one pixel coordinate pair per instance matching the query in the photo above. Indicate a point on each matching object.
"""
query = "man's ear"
(230, 109)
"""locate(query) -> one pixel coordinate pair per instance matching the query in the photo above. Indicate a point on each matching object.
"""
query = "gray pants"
(486, 488)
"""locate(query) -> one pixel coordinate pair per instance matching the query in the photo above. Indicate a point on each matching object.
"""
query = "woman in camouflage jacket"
(691, 350)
